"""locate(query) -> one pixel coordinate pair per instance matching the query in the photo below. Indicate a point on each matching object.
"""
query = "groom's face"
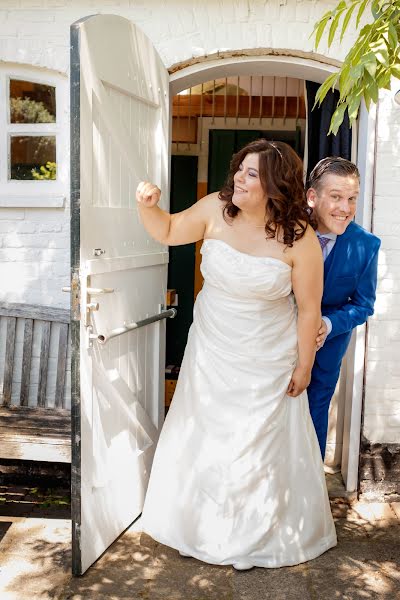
(334, 202)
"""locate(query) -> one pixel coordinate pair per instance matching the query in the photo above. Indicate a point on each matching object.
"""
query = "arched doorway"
(346, 410)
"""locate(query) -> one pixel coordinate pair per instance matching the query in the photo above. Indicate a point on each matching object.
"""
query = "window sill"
(32, 202)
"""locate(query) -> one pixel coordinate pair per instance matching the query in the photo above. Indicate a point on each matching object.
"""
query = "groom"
(350, 272)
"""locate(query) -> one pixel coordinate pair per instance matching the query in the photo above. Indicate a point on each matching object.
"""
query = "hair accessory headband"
(277, 149)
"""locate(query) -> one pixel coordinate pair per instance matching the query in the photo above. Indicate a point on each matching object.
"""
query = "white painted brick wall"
(34, 256)
(382, 392)
(37, 32)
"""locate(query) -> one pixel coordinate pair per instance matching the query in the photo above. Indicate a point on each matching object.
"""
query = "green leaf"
(365, 30)
(367, 99)
(346, 20)
(395, 70)
(361, 11)
(393, 38)
(382, 56)
(337, 118)
(375, 9)
(320, 28)
(333, 27)
(354, 105)
(356, 71)
(344, 80)
(379, 48)
(383, 78)
(372, 87)
(324, 88)
(369, 62)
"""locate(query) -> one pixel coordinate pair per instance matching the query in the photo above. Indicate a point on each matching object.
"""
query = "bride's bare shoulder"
(211, 204)
(211, 199)
(306, 248)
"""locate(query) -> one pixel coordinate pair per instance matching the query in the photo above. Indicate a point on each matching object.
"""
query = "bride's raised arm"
(184, 227)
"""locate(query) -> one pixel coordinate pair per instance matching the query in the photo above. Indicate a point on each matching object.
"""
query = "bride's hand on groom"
(299, 381)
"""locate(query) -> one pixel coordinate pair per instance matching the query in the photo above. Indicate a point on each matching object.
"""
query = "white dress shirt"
(325, 253)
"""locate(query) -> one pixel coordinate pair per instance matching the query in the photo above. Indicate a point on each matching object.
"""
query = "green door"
(181, 258)
(223, 143)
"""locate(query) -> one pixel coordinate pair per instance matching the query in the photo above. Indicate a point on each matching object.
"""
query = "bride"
(237, 477)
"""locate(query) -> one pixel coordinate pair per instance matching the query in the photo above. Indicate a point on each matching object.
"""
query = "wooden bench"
(35, 416)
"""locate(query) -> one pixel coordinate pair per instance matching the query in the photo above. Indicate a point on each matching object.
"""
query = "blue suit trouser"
(320, 392)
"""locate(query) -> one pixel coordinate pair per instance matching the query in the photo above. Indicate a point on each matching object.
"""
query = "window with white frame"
(33, 137)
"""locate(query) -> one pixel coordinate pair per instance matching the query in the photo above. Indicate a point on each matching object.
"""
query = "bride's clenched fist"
(148, 194)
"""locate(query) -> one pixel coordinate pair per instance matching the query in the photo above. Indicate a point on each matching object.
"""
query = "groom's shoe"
(242, 566)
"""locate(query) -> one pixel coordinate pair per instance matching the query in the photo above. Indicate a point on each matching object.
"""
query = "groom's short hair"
(334, 165)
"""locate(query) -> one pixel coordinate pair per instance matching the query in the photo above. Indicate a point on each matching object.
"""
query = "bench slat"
(61, 365)
(25, 416)
(26, 362)
(35, 433)
(33, 311)
(44, 359)
(47, 450)
(9, 360)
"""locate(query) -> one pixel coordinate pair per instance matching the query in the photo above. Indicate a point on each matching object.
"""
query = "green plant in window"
(25, 110)
(46, 172)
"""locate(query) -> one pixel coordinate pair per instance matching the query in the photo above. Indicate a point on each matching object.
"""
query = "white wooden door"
(119, 136)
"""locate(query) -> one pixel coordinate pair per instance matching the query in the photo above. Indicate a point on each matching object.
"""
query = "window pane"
(32, 102)
(33, 157)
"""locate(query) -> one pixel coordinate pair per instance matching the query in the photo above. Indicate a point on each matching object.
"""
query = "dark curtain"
(320, 145)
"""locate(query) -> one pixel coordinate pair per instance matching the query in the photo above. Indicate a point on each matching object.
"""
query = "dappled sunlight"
(138, 566)
(35, 559)
(365, 565)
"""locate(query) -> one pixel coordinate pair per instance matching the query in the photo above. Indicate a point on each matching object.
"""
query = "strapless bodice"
(246, 302)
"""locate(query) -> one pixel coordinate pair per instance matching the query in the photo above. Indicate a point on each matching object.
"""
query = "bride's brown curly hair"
(281, 176)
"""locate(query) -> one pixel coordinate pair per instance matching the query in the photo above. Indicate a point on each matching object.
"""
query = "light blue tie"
(323, 241)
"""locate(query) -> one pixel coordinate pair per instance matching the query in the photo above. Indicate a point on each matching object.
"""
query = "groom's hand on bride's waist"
(322, 334)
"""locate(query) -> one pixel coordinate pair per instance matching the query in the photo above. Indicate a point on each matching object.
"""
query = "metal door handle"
(103, 338)
(93, 291)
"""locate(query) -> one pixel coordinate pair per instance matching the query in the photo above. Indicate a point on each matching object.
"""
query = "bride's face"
(248, 193)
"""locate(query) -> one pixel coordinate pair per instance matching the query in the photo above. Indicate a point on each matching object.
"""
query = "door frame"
(365, 132)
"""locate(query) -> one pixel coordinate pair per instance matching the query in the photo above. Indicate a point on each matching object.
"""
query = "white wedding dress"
(237, 475)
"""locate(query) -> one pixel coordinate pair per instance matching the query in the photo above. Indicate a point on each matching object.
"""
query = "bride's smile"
(248, 193)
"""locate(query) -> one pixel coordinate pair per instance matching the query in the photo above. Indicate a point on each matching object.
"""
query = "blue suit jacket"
(350, 275)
